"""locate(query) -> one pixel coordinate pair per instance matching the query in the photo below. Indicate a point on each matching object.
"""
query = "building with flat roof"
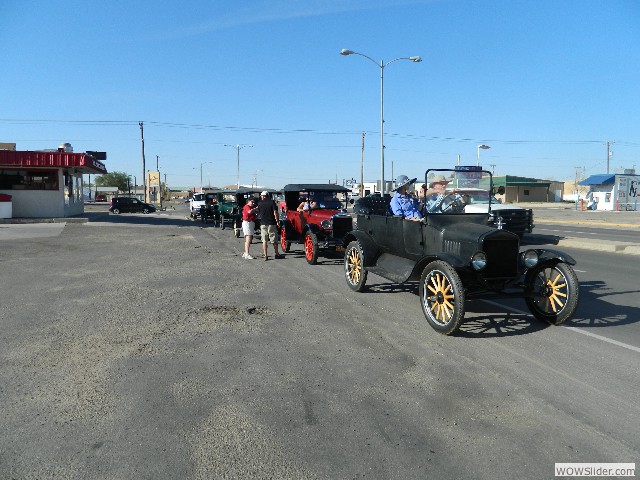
(46, 184)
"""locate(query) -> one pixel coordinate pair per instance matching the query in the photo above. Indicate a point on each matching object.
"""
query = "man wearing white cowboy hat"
(402, 203)
(435, 192)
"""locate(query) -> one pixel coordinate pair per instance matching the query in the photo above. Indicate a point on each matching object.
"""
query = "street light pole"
(238, 147)
(483, 147)
(382, 64)
(201, 164)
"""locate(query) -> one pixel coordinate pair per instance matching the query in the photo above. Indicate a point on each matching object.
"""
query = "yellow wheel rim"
(439, 297)
(354, 266)
(553, 291)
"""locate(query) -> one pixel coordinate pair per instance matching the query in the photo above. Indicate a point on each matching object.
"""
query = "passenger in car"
(404, 204)
(307, 205)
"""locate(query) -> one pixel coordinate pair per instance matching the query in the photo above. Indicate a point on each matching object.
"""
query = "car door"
(136, 205)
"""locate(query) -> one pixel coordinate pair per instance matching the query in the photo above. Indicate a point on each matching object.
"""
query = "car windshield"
(473, 197)
(198, 197)
(326, 200)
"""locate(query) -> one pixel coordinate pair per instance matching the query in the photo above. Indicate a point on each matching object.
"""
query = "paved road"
(146, 347)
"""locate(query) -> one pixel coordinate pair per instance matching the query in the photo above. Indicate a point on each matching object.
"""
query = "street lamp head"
(484, 147)
(345, 52)
(415, 59)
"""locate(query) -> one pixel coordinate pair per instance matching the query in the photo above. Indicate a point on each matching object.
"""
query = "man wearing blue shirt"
(404, 204)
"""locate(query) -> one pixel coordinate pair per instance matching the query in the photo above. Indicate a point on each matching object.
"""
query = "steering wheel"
(450, 203)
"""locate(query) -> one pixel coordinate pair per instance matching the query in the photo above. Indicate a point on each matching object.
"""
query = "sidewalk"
(566, 214)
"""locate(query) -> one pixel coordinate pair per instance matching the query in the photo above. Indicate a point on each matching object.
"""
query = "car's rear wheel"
(555, 292)
(311, 248)
(116, 211)
(354, 270)
(284, 243)
(442, 297)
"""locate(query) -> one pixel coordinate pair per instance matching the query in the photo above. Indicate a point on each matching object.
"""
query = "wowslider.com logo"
(595, 470)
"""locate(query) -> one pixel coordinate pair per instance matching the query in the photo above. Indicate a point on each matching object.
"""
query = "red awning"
(82, 161)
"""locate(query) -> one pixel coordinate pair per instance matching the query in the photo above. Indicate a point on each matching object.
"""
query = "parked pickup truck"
(195, 203)
(513, 218)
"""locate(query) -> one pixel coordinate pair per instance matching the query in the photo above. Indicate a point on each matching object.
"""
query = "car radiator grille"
(502, 257)
(341, 225)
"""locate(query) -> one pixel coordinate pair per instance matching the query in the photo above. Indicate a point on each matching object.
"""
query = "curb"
(592, 223)
(623, 248)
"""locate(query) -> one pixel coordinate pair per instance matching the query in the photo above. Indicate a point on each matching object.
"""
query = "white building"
(614, 191)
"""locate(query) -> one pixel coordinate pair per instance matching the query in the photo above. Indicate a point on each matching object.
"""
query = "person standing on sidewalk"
(248, 225)
(269, 224)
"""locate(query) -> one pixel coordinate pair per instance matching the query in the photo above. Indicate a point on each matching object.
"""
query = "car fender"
(310, 227)
(370, 249)
(553, 256)
(456, 261)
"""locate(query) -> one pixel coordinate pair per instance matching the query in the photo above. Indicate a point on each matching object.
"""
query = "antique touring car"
(321, 225)
(456, 256)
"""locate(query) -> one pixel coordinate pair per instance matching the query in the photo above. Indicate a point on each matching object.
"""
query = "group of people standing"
(266, 211)
(403, 203)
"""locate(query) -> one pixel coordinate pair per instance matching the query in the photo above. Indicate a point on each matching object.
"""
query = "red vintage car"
(322, 221)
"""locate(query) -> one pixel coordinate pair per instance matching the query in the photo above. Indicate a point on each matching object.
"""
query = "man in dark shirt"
(269, 224)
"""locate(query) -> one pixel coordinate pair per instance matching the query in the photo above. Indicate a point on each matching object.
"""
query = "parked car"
(101, 198)
(210, 209)
(222, 207)
(195, 202)
(130, 205)
(322, 227)
(513, 218)
(455, 256)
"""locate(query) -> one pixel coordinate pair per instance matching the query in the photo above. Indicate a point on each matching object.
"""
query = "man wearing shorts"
(269, 224)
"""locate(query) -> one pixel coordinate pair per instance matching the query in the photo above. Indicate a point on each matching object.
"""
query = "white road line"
(605, 339)
(573, 329)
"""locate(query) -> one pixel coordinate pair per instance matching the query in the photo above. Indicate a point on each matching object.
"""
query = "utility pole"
(144, 168)
(361, 189)
(159, 182)
(238, 147)
(609, 153)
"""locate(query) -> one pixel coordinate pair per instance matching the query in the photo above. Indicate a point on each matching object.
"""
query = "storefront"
(613, 191)
(46, 184)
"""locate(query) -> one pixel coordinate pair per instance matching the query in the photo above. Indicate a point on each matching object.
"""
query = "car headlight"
(326, 224)
(530, 258)
(479, 260)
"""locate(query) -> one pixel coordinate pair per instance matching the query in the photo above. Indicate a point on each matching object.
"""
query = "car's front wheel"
(554, 292)
(116, 211)
(311, 248)
(354, 270)
(442, 297)
(284, 243)
(145, 211)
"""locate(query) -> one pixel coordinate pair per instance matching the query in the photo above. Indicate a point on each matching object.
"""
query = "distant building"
(46, 183)
(524, 189)
(613, 191)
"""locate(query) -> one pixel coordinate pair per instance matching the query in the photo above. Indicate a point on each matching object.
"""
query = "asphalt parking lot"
(144, 346)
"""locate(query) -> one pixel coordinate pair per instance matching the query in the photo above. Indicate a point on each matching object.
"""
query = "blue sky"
(546, 84)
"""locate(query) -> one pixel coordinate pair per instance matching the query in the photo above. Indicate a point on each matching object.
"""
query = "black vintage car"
(322, 225)
(219, 206)
(456, 256)
(210, 210)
